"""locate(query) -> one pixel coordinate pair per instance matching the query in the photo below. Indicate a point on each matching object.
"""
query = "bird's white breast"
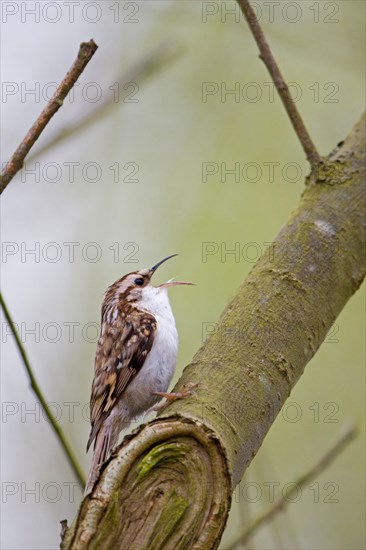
(158, 368)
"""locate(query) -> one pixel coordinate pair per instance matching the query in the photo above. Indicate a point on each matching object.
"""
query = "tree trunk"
(169, 485)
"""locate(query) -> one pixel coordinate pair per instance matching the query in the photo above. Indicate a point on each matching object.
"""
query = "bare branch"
(140, 71)
(86, 52)
(282, 88)
(35, 387)
(347, 435)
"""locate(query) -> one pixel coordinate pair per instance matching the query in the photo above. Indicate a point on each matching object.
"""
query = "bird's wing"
(122, 349)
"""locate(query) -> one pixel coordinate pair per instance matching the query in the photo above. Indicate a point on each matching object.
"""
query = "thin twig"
(86, 52)
(64, 528)
(282, 88)
(347, 435)
(35, 387)
(143, 69)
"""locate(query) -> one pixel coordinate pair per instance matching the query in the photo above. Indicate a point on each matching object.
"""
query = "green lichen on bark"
(109, 526)
(169, 519)
(155, 456)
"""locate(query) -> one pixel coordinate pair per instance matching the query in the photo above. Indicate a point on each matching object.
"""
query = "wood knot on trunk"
(167, 487)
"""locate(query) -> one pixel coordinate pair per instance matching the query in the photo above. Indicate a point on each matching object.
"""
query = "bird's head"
(136, 286)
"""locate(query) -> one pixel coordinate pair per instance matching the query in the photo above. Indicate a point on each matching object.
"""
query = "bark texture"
(168, 486)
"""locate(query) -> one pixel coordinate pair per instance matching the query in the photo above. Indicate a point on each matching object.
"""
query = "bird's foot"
(185, 391)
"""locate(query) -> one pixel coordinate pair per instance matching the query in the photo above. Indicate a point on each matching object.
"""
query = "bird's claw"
(185, 391)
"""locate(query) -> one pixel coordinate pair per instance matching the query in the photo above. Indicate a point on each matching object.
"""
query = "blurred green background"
(86, 230)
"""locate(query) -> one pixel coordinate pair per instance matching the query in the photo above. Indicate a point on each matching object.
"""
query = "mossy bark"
(169, 485)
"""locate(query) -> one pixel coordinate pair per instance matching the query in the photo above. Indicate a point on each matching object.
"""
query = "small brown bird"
(135, 359)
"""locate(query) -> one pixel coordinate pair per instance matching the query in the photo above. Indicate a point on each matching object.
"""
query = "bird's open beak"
(171, 282)
(174, 283)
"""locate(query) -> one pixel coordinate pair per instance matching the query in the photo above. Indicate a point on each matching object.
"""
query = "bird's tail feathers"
(103, 445)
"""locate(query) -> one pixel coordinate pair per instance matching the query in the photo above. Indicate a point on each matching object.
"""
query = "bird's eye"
(139, 281)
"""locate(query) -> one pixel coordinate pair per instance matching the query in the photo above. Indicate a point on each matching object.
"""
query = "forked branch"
(168, 485)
